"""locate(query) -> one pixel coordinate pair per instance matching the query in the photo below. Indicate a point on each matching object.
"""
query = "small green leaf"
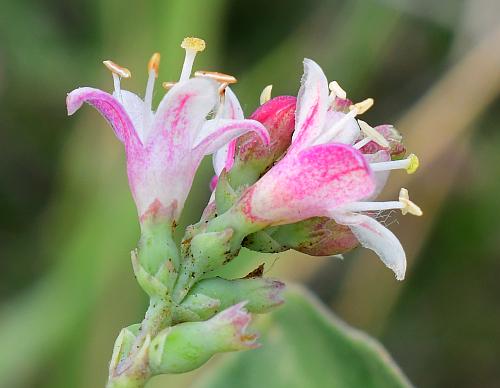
(304, 345)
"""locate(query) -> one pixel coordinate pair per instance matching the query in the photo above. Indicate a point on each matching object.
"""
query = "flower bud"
(261, 294)
(392, 135)
(189, 345)
(318, 236)
(252, 156)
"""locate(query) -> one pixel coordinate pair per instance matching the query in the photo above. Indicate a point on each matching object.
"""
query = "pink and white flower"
(324, 173)
(165, 147)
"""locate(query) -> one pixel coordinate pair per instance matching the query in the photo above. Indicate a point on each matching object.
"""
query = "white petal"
(348, 133)
(380, 176)
(312, 103)
(134, 106)
(232, 107)
(373, 235)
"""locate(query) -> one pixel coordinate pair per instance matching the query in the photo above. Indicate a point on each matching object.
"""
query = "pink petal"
(216, 133)
(182, 113)
(312, 104)
(309, 184)
(110, 109)
(373, 235)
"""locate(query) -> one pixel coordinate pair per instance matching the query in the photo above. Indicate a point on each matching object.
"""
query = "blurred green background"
(68, 221)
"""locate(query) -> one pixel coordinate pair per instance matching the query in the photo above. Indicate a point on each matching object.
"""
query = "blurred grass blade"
(304, 345)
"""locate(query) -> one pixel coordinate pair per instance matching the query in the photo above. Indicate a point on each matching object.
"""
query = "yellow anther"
(409, 206)
(414, 163)
(373, 134)
(195, 44)
(336, 89)
(265, 96)
(168, 85)
(363, 106)
(117, 69)
(220, 77)
(154, 63)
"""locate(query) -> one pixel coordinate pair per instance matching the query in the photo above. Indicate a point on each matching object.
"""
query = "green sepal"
(225, 196)
(150, 284)
(196, 307)
(261, 295)
(123, 345)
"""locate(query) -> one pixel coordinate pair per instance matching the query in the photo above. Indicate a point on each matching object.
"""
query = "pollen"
(168, 85)
(220, 77)
(373, 134)
(414, 163)
(363, 106)
(154, 63)
(408, 206)
(336, 89)
(195, 44)
(117, 69)
(265, 96)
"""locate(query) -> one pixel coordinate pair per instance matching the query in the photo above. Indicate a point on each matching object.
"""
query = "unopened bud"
(187, 346)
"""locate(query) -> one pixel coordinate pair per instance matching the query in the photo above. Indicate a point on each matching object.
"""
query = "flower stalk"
(301, 173)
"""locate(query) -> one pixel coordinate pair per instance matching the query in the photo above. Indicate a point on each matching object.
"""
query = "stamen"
(410, 164)
(219, 77)
(117, 69)
(363, 106)
(154, 63)
(408, 206)
(265, 96)
(404, 204)
(168, 85)
(360, 144)
(192, 47)
(329, 134)
(373, 134)
(153, 67)
(337, 90)
(117, 72)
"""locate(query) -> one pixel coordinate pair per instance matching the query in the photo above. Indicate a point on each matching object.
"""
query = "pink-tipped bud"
(189, 345)
(392, 135)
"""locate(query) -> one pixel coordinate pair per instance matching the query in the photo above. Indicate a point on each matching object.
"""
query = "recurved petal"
(309, 184)
(134, 106)
(312, 104)
(218, 132)
(109, 107)
(373, 235)
(379, 176)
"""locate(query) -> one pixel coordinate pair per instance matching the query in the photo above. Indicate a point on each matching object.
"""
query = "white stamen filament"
(410, 164)
(334, 130)
(187, 67)
(360, 144)
(373, 134)
(116, 84)
(404, 204)
(148, 96)
(192, 47)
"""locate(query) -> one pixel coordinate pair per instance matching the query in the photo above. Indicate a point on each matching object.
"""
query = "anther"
(168, 85)
(220, 77)
(373, 134)
(336, 89)
(195, 44)
(408, 206)
(363, 106)
(265, 96)
(117, 69)
(154, 63)
(414, 163)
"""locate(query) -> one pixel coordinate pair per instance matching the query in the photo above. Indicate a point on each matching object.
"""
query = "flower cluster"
(301, 173)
